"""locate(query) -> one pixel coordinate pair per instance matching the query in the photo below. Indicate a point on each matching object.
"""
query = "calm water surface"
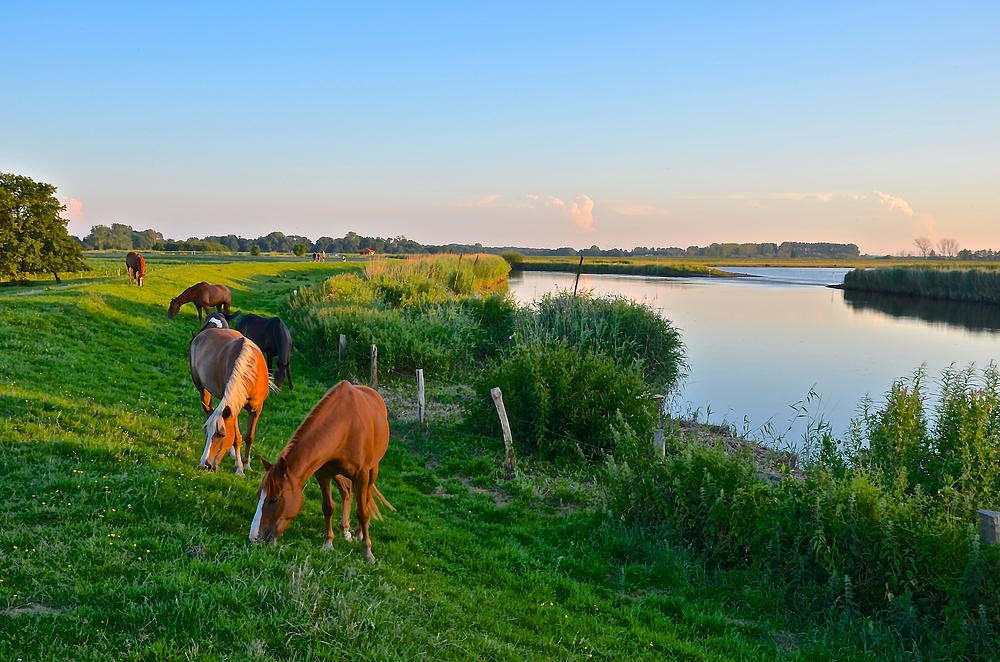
(758, 346)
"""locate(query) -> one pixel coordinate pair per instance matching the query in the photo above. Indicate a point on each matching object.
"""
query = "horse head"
(278, 503)
(174, 307)
(284, 371)
(221, 432)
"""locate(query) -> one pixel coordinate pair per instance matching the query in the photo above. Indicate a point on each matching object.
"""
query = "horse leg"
(251, 430)
(237, 442)
(206, 402)
(207, 310)
(345, 507)
(363, 486)
(326, 490)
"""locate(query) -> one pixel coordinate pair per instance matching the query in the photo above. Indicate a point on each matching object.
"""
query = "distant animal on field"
(273, 338)
(204, 297)
(135, 263)
(343, 438)
(227, 366)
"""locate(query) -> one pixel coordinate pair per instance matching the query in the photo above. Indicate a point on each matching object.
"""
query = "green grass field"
(113, 545)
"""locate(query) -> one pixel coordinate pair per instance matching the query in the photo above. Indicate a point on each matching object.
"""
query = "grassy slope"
(113, 546)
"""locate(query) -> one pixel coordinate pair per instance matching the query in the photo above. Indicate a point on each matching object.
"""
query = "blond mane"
(241, 381)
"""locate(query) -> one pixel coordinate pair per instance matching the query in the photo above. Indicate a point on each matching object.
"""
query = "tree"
(923, 245)
(300, 250)
(948, 247)
(33, 236)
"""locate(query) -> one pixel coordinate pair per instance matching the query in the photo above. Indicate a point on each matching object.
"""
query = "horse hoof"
(239, 472)
(328, 545)
(348, 537)
(369, 556)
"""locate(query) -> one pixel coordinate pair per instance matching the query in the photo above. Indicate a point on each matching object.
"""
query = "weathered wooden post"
(579, 268)
(343, 347)
(421, 407)
(508, 441)
(989, 527)
(659, 445)
(374, 366)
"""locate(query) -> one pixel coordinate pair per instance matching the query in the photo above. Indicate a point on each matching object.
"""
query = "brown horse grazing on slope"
(135, 263)
(344, 436)
(204, 296)
(228, 366)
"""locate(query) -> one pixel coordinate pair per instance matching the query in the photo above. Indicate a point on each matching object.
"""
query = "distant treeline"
(123, 237)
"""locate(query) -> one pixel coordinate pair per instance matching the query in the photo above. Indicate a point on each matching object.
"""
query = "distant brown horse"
(204, 297)
(227, 366)
(344, 436)
(136, 266)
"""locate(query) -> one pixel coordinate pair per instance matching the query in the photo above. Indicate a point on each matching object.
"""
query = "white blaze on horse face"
(208, 448)
(255, 525)
(216, 321)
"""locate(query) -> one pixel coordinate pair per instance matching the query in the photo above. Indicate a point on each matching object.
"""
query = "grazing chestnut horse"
(273, 338)
(344, 436)
(136, 266)
(227, 366)
(204, 296)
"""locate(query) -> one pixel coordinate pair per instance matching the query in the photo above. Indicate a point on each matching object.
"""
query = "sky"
(513, 124)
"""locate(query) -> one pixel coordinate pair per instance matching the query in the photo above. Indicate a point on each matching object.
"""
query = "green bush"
(563, 403)
(513, 258)
(630, 332)
(890, 532)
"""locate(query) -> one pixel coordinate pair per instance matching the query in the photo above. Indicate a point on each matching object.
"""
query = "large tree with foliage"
(33, 235)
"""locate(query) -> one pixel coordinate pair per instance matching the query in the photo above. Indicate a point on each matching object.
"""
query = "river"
(774, 352)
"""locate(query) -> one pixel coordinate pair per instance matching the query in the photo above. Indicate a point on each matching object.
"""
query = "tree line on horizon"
(122, 237)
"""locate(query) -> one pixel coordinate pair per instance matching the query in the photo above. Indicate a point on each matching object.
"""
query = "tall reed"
(975, 285)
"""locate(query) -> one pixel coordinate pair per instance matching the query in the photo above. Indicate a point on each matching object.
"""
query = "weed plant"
(976, 285)
(885, 525)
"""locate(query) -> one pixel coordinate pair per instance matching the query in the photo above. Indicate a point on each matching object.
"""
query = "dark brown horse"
(204, 297)
(136, 266)
(230, 367)
(273, 338)
(344, 436)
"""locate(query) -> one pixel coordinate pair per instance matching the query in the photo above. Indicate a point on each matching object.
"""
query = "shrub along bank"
(974, 285)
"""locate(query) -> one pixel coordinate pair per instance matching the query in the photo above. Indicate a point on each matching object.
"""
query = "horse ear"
(227, 412)
(280, 466)
(267, 465)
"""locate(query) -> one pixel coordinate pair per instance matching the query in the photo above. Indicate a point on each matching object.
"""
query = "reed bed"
(975, 285)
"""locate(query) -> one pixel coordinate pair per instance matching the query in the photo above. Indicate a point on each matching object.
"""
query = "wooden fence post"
(374, 366)
(508, 442)
(579, 268)
(421, 406)
(343, 347)
(989, 527)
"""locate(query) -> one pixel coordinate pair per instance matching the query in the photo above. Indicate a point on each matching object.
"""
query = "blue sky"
(534, 124)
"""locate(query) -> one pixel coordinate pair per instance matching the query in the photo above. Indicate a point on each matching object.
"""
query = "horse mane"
(241, 380)
(299, 431)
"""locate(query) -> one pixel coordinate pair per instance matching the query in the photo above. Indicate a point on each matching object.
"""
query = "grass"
(114, 546)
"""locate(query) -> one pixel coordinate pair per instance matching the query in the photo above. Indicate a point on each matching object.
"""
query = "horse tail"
(380, 497)
(271, 386)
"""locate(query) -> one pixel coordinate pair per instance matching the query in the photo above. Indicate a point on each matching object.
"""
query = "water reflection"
(974, 317)
(757, 346)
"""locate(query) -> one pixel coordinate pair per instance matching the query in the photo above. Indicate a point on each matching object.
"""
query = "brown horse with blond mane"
(135, 264)
(204, 297)
(230, 367)
(345, 436)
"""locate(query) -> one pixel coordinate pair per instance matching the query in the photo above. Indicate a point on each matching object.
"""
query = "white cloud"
(892, 203)
(582, 213)
(74, 209)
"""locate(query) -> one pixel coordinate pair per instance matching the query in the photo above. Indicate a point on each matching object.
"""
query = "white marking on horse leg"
(255, 524)
(328, 545)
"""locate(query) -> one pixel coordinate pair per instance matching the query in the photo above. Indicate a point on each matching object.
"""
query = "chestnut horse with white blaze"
(135, 263)
(204, 297)
(230, 367)
(345, 436)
